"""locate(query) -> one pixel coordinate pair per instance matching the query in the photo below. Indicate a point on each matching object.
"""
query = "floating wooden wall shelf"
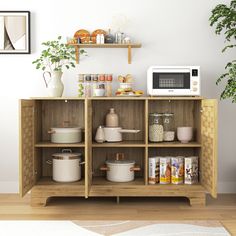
(106, 45)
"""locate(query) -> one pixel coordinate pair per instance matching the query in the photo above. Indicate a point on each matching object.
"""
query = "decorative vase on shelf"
(54, 84)
(112, 119)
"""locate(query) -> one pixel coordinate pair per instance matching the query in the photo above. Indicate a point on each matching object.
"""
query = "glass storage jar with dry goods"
(156, 127)
(168, 125)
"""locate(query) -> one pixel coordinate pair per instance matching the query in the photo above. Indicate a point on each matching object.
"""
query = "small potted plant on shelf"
(53, 59)
(224, 17)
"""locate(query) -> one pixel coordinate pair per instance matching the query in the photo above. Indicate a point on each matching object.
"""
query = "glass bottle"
(168, 125)
(81, 85)
(88, 85)
(155, 127)
(118, 37)
(95, 84)
(109, 37)
(109, 85)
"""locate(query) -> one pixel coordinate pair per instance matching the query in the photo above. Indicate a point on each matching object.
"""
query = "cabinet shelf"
(107, 45)
(48, 181)
(120, 144)
(174, 144)
(105, 182)
(49, 144)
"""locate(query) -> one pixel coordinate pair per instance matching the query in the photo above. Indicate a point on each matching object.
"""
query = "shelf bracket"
(129, 54)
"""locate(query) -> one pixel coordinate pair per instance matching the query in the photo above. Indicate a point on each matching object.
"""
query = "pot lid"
(120, 162)
(66, 155)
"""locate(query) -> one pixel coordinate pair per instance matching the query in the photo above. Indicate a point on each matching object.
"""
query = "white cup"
(184, 134)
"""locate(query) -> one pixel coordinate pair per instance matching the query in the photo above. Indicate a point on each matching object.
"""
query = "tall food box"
(177, 170)
(191, 170)
(153, 170)
(165, 170)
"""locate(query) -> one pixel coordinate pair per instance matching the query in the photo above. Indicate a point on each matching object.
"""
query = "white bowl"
(99, 92)
(184, 134)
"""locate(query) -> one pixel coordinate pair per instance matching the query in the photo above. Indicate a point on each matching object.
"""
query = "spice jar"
(156, 129)
(81, 85)
(88, 85)
(109, 85)
(168, 125)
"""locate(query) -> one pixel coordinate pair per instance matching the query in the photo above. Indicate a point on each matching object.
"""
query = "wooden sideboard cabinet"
(38, 115)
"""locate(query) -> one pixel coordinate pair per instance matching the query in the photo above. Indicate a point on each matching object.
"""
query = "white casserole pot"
(66, 167)
(120, 170)
(114, 134)
(66, 135)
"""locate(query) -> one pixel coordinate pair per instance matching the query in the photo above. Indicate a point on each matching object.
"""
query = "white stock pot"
(120, 170)
(66, 135)
(66, 166)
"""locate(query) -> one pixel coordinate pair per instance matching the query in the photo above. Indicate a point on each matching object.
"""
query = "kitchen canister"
(191, 170)
(156, 130)
(112, 119)
(66, 166)
(177, 170)
(153, 170)
(165, 170)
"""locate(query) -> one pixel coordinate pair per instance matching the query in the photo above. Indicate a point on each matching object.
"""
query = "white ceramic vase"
(54, 84)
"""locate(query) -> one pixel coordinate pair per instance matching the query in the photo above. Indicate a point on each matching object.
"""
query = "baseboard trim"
(9, 187)
(227, 187)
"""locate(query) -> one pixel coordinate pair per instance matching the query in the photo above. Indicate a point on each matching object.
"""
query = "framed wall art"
(14, 32)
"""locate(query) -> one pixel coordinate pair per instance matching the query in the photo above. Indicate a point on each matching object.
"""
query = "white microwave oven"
(173, 81)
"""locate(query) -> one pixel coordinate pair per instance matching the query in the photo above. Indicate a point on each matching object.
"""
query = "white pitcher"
(54, 84)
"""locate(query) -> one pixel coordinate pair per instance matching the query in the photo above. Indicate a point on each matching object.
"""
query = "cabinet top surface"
(118, 98)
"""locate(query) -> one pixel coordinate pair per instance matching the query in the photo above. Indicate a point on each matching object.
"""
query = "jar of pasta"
(156, 130)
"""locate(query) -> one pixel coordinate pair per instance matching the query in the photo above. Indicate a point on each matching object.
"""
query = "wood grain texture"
(27, 153)
(130, 112)
(209, 148)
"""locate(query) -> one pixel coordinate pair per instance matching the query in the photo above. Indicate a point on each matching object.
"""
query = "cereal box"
(165, 170)
(177, 170)
(191, 170)
(154, 170)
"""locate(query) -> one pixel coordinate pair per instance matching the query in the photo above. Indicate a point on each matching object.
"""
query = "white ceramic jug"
(54, 84)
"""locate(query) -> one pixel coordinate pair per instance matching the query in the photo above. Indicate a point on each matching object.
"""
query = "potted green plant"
(53, 59)
(224, 19)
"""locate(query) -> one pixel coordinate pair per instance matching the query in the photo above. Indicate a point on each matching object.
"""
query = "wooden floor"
(223, 209)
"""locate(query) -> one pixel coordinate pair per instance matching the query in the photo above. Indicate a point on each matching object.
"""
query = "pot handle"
(136, 168)
(105, 168)
(81, 163)
(44, 77)
(49, 162)
(120, 156)
(51, 131)
(132, 131)
(66, 150)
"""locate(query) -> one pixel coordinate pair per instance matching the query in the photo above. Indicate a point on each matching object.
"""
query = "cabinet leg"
(39, 201)
(198, 200)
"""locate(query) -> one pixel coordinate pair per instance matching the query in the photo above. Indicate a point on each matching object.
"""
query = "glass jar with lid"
(168, 125)
(156, 130)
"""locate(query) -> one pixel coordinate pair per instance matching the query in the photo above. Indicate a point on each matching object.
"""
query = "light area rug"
(115, 228)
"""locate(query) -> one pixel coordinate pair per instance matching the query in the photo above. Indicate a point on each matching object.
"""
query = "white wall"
(171, 32)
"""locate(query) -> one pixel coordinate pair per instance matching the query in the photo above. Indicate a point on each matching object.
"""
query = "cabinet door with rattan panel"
(209, 146)
(26, 169)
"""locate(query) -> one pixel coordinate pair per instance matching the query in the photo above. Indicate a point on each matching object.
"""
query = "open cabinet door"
(209, 123)
(26, 166)
(88, 146)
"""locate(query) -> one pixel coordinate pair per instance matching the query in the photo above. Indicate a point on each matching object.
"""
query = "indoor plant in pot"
(224, 17)
(53, 59)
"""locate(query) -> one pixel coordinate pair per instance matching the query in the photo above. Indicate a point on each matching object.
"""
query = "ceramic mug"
(99, 92)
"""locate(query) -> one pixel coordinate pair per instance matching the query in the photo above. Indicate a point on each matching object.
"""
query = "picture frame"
(15, 32)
